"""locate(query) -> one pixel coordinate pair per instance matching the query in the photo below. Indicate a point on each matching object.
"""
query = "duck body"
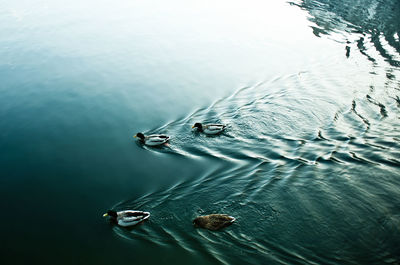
(153, 139)
(209, 128)
(213, 221)
(128, 217)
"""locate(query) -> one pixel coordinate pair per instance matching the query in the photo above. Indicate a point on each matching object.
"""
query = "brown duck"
(213, 221)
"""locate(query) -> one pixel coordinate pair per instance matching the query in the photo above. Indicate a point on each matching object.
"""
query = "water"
(308, 165)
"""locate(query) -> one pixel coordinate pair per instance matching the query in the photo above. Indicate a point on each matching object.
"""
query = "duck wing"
(135, 214)
(130, 218)
(223, 218)
(218, 221)
(213, 128)
(156, 139)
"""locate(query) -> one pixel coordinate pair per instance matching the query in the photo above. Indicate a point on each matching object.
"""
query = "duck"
(127, 218)
(213, 221)
(152, 140)
(209, 128)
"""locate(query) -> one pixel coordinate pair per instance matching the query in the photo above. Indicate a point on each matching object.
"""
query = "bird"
(152, 140)
(213, 221)
(209, 128)
(127, 217)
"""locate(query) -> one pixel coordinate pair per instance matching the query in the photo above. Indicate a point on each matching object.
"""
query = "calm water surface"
(309, 164)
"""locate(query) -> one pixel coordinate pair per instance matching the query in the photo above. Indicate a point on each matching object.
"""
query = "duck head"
(140, 136)
(198, 222)
(111, 213)
(198, 126)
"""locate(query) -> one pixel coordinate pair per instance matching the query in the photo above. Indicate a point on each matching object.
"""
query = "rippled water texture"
(308, 165)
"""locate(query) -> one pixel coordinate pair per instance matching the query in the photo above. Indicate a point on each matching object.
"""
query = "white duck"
(152, 140)
(127, 217)
(209, 128)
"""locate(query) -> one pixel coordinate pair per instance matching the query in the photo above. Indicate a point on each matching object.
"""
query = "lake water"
(309, 163)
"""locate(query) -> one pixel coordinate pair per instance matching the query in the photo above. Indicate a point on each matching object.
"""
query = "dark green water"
(309, 164)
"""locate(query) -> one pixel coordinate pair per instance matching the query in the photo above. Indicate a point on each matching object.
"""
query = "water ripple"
(282, 167)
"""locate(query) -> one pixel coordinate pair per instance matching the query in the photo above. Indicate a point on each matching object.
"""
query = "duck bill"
(192, 126)
(134, 136)
(105, 215)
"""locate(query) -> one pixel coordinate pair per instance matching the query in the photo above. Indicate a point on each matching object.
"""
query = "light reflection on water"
(279, 172)
(308, 164)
